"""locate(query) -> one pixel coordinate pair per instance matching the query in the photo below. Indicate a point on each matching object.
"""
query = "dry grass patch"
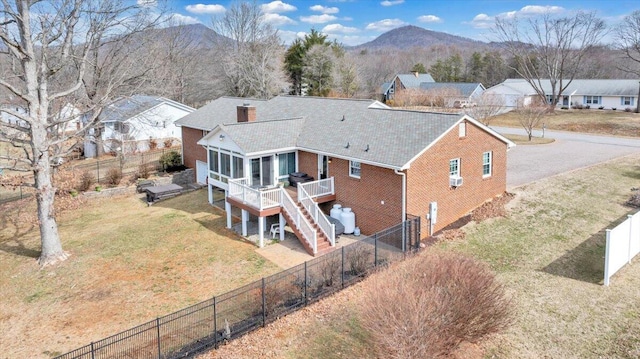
(606, 122)
(524, 140)
(549, 253)
(130, 263)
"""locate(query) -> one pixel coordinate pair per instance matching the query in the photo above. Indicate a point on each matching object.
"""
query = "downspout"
(404, 193)
(404, 206)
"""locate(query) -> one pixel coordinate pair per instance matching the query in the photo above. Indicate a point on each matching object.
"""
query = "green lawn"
(129, 264)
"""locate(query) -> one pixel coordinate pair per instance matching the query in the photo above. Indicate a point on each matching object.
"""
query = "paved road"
(570, 151)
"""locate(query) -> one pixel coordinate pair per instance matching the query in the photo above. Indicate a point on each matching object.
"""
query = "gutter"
(404, 193)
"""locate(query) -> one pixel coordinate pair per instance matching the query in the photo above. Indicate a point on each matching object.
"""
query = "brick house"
(384, 164)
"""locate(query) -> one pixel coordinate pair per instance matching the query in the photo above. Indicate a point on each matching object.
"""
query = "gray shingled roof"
(413, 81)
(265, 135)
(125, 108)
(466, 88)
(599, 87)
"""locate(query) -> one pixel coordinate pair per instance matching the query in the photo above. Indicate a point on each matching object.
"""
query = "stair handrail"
(328, 228)
(308, 232)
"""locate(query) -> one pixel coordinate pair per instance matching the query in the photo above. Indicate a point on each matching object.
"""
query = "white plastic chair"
(275, 230)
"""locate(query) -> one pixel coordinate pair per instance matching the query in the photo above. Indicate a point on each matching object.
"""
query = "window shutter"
(584, 100)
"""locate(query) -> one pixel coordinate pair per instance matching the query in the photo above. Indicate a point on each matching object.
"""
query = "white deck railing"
(328, 228)
(310, 235)
(258, 198)
(319, 188)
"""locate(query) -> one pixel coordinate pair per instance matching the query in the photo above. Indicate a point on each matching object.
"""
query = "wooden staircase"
(323, 243)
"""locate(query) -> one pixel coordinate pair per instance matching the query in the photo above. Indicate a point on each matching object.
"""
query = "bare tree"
(550, 49)
(531, 115)
(251, 53)
(487, 106)
(629, 41)
(59, 51)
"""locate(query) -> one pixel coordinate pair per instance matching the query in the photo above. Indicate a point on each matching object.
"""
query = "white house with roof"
(131, 124)
(595, 93)
(455, 91)
(386, 165)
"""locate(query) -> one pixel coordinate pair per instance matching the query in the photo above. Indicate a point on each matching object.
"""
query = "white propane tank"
(336, 212)
(348, 219)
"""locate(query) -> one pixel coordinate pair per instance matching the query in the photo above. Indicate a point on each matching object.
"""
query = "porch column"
(227, 208)
(245, 219)
(261, 222)
(210, 191)
(282, 224)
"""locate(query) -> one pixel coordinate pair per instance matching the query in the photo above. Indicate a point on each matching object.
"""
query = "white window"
(286, 164)
(592, 100)
(487, 158)
(354, 169)
(462, 129)
(454, 167)
(626, 100)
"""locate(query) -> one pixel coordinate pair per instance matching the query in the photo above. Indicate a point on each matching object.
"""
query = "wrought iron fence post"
(306, 301)
(264, 305)
(158, 330)
(215, 325)
(92, 353)
(98, 169)
(375, 249)
(342, 269)
(418, 233)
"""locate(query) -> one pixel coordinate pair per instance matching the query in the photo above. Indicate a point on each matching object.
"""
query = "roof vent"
(347, 146)
(246, 103)
(367, 149)
(342, 118)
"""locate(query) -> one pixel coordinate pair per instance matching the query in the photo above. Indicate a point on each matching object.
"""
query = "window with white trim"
(626, 100)
(354, 169)
(224, 164)
(592, 100)
(286, 164)
(487, 159)
(454, 167)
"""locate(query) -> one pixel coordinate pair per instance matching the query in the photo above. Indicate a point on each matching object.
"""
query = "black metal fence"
(228, 316)
(130, 163)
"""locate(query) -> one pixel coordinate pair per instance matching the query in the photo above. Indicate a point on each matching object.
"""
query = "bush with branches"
(428, 305)
(114, 176)
(171, 159)
(87, 179)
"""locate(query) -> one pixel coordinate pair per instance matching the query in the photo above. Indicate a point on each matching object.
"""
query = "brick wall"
(375, 198)
(428, 177)
(190, 149)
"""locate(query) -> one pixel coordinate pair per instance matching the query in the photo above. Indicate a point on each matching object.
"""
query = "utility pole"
(638, 99)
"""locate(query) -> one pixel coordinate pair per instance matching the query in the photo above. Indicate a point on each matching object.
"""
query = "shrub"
(87, 179)
(578, 106)
(153, 144)
(628, 109)
(114, 176)
(601, 108)
(613, 108)
(427, 306)
(587, 107)
(170, 159)
(168, 143)
(564, 108)
(144, 170)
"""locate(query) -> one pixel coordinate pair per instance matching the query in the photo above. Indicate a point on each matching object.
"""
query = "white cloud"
(277, 7)
(391, 2)
(205, 9)
(289, 37)
(325, 9)
(429, 18)
(278, 20)
(484, 21)
(537, 10)
(338, 29)
(184, 19)
(318, 19)
(347, 18)
(385, 25)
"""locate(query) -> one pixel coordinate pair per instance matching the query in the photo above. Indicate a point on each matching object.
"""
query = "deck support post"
(261, 225)
(282, 224)
(227, 208)
(245, 219)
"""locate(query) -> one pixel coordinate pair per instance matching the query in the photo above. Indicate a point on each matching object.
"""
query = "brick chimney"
(246, 113)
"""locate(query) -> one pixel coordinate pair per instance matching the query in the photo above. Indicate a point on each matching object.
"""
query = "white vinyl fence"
(623, 243)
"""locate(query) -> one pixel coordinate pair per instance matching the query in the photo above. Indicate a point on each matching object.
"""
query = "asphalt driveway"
(570, 151)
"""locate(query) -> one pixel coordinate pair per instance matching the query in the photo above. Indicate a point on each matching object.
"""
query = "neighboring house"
(137, 123)
(386, 165)
(455, 91)
(10, 114)
(607, 94)
(403, 81)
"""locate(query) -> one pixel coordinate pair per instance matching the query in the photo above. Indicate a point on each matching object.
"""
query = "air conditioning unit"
(455, 181)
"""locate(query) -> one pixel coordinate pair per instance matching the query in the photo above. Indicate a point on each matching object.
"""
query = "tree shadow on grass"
(633, 173)
(16, 224)
(586, 261)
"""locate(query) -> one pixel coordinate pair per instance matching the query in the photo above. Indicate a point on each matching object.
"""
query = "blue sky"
(353, 22)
